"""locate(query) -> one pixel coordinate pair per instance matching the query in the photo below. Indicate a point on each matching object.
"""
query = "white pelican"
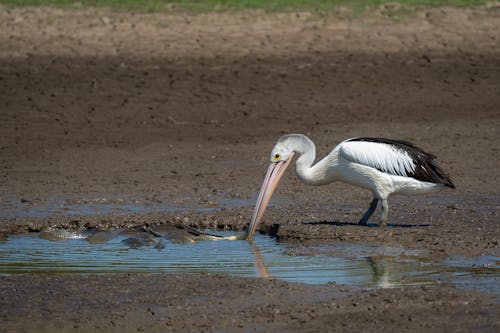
(383, 166)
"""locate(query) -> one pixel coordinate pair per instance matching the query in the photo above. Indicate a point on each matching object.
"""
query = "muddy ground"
(181, 111)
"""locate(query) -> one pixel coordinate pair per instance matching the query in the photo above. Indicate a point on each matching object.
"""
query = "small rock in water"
(100, 236)
(133, 243)
(160, 245)
(140, 240)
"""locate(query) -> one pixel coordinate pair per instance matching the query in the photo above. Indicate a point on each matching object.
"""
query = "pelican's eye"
(276, 157)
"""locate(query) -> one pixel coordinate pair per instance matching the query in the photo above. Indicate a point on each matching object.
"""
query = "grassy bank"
(231, 5)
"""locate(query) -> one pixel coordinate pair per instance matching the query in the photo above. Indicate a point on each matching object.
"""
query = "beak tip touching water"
(274, 173)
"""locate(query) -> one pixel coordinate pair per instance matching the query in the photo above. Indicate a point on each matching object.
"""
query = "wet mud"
(125, 120)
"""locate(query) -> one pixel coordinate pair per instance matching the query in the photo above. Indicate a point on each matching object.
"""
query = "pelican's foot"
(384, 213)
(363, 222)
(368, 213)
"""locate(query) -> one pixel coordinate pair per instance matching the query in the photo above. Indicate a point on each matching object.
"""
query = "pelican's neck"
(320, 173)
(306, 155)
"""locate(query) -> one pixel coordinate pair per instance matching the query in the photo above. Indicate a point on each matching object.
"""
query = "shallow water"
(174, 250)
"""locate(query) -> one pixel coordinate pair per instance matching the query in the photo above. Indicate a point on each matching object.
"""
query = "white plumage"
(383, 166)
(380, 156)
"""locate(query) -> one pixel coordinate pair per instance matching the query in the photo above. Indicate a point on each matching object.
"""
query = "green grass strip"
(234, 5)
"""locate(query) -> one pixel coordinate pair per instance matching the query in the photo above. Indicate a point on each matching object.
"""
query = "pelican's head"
(280, 158)
(280, 153)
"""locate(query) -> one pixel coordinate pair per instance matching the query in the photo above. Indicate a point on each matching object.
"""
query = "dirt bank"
(193, 303)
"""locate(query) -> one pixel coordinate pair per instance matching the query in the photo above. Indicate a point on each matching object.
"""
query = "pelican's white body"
(356, 163)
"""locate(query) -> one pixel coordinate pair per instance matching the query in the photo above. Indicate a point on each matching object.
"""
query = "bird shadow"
(368, 225)
(335, 223)
(413, 225)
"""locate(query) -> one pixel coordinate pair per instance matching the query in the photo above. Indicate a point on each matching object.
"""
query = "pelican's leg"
(384, 212)
(369, 212)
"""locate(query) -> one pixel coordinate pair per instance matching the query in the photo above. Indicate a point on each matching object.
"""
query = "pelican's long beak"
(274, 173)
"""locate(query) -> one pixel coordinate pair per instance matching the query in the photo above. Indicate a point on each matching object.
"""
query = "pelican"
(383, 166)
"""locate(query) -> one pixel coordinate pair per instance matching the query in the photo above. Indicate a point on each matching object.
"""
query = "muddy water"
(176, 250)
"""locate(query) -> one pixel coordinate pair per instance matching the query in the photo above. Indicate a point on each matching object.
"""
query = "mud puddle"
(182, 250)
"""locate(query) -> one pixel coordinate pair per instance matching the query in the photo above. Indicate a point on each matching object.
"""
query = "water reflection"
(380, 267)
(258, 261)
(384, 273)
(389, 272)
(175, 249)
